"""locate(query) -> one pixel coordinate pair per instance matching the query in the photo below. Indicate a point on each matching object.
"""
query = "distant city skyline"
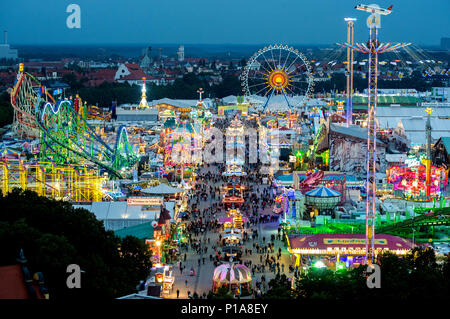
(246, 22)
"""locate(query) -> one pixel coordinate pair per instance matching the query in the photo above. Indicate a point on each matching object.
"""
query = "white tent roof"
(119, 210)
(388, 117)
(162, 189)
(186, 104)
(414, 129)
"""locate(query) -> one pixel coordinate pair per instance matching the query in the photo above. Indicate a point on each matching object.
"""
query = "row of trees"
(53, 234)
(416, 277)
(185, 88)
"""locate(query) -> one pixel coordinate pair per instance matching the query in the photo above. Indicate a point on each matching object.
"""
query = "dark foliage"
(415, 277)
(53, 235)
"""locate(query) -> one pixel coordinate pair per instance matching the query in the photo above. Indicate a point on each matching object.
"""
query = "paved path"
(201, 283)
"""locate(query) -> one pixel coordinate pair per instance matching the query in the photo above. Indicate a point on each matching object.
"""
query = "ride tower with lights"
(428, 110)
(349, 73)
(372, 48)
(143, 102)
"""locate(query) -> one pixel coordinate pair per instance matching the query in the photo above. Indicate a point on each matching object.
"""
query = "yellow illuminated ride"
(243, 108)
(75, 183)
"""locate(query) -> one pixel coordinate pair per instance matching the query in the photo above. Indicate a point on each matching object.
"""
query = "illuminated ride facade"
(340, 250)
(411, 181)
(63, 182)
(233, 196)
(182, 140)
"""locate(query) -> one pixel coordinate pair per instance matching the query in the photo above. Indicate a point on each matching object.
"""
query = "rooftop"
(142, 231)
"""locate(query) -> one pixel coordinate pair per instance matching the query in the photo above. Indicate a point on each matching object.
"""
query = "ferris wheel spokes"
(285, 71)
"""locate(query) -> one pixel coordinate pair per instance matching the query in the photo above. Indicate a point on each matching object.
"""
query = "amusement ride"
(372, 48)
(278, 70)
(72, 160)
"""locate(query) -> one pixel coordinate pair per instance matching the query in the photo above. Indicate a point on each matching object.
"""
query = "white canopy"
(162, 189)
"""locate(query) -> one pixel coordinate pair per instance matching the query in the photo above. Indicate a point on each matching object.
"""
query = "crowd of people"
(257, 252)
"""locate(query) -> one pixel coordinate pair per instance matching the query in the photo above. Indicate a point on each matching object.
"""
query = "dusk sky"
(217, 22)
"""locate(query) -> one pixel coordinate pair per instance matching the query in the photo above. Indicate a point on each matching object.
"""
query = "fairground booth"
(308, 180)
(233, 195)
(340, 250)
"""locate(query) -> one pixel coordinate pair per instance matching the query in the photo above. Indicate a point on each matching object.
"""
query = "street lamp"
(414, 243)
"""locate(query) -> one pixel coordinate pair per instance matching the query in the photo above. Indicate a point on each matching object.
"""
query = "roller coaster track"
(23, 100)
(65, 136)
(437, 217)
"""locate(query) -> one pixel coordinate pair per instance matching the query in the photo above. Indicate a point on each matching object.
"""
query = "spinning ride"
(279, 70)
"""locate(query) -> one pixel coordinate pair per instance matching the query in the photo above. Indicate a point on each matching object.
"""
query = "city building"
(5, 50)
(147, 58)
(130, 73)
(180, 53)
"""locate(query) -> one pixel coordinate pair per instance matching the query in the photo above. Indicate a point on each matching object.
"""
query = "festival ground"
(201, 282)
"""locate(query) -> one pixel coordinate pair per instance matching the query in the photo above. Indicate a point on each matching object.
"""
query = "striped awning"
(323, 192)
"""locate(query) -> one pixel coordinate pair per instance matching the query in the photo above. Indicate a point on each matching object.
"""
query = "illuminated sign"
(152, 201)
(352, 241)
(413, 161)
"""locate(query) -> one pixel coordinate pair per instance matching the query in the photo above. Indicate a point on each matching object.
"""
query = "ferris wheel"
(278, 70)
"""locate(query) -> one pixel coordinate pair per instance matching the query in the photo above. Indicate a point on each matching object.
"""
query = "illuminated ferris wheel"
(278, 70)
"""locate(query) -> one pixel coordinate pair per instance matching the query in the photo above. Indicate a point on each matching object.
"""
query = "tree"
(221, 293)
(279, 288)
(53, 234)
(417, 276)
(229, 86)
(6, 110)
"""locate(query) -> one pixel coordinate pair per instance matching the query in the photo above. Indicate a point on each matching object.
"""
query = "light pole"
(414, 243)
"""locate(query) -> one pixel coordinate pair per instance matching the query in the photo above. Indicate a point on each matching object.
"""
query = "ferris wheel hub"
(278, 79)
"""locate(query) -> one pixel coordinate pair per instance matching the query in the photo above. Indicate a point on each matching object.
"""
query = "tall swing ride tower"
(349, 73)
(372, 48)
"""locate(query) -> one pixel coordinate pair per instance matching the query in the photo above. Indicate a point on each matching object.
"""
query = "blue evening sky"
(218, 22)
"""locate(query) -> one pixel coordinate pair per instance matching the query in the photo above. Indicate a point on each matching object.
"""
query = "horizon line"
(186, 44)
